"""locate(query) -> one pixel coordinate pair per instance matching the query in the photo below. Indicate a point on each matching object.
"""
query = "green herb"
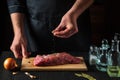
(89, 77)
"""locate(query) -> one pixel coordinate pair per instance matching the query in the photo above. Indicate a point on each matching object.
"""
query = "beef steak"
(55, 59)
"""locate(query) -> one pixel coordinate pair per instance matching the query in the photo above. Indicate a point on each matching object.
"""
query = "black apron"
(43, 16)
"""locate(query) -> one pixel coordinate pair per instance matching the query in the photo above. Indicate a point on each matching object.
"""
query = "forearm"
(79, 7)
(18, 23)
(17, 9)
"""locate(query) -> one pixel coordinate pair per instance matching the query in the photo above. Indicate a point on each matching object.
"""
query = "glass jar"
(93, 52)
(101, 63)
(113, 68)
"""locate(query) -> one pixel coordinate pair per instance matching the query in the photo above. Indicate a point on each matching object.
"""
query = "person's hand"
(66, 28)
(18, 47)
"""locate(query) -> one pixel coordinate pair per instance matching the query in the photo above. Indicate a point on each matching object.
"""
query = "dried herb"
(89, 77)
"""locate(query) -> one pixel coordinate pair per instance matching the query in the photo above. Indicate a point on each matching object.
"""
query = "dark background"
(6, 33)
(105, 19)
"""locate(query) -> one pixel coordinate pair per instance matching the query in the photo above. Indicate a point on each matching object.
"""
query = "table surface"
(51, 75)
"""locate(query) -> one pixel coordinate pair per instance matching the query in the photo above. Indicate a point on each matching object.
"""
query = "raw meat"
(55, 59)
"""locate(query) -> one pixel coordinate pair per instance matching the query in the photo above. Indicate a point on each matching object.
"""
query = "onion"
(10, 64)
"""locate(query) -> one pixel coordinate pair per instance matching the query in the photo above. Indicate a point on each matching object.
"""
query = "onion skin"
(10, 64)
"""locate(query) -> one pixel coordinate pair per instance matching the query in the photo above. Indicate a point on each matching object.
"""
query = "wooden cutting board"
(27, 65)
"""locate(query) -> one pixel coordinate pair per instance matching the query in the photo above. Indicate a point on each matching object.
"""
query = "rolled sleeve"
(16, 6)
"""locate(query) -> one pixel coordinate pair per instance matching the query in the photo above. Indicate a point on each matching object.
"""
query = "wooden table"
(50, 75)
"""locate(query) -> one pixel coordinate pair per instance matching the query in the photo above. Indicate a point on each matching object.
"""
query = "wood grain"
(27, 65)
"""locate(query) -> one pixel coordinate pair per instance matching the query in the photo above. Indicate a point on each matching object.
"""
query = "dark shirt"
(42, 16)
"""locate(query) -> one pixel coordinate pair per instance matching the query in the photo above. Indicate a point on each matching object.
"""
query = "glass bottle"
(113, 68)
(116, 36)
(101, 63)
(93, 54)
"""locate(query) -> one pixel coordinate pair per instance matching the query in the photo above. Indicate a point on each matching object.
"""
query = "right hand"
(19, 46)
(67, 27)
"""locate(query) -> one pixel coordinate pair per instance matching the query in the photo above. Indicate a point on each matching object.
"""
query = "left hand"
(67, 27)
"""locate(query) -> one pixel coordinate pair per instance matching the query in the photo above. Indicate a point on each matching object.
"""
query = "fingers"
(61, 27)
(16, 51)
(60, 30)
(20, 51)
(24, 51)
(65, 33)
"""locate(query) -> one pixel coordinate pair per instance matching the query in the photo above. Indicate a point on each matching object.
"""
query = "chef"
(46, 26)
